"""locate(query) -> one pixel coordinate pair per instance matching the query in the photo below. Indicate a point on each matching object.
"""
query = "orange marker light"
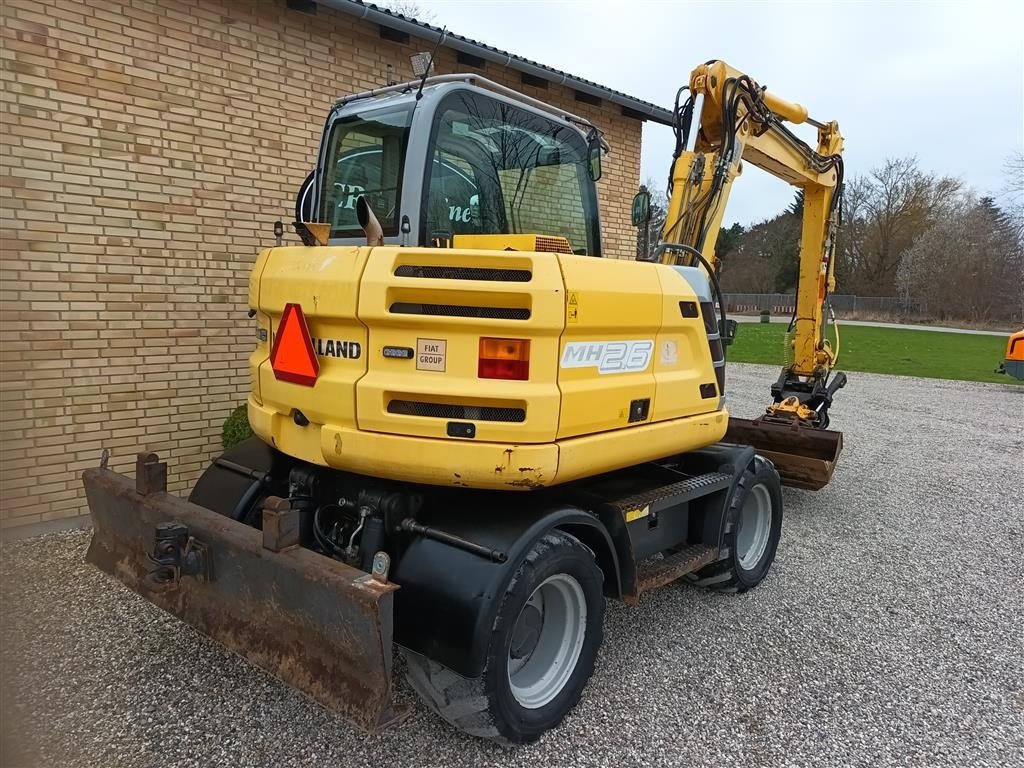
(504, 359)
(292, 357)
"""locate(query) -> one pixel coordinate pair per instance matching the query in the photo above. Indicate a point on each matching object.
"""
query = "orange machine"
(1013, 365)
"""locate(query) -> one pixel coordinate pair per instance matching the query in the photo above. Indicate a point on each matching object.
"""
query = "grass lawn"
(932, 354)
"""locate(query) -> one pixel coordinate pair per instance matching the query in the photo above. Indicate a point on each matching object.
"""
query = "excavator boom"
(740, 121)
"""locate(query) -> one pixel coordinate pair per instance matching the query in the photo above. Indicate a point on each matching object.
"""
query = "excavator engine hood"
(317, 624)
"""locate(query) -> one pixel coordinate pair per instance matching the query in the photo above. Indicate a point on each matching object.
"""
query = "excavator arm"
(739, 122)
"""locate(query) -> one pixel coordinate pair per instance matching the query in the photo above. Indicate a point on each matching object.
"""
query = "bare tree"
(1013, 175)
(647, 238)
(1012, 193)
(765, 257)
(968, 264)
(886, 211)
(410, 9)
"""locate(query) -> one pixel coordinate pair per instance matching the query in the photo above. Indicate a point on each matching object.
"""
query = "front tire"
(752, 532)
(540, 651)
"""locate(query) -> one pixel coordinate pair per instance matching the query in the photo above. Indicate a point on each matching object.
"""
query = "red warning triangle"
(292, 356)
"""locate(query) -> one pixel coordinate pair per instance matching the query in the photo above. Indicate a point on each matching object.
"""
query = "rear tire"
(753, 528)
(540, 650)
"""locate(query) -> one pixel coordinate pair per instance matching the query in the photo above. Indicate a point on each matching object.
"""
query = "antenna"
(418, 59)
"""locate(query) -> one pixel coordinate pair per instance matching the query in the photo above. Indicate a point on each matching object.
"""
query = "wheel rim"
(755, 527)
(546, 641)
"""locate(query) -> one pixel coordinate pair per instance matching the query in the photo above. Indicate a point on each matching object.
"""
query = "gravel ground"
(890, 632)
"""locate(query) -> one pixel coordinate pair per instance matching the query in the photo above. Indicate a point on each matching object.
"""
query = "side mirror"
(728, 331)
(594, 159)
(641, 208)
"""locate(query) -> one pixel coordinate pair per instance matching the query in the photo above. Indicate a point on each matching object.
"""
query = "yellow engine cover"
(620, 370)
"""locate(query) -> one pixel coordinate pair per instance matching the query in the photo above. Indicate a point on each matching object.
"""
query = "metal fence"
(783, 304)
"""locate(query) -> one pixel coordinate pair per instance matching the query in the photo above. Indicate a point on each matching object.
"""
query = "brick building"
(147, 148)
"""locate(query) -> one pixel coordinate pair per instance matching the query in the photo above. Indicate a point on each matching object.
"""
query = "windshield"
(497, 168)
(365, 156)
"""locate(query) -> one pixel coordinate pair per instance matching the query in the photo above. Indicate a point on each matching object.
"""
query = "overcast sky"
(942, 81)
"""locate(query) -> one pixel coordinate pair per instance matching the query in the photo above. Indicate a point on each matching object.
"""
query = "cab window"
(499, 169)
(365, 157)
(453, 203)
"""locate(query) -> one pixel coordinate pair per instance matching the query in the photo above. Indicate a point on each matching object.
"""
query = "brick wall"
(146, 149)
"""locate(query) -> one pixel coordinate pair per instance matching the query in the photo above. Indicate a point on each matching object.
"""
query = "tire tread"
(465, 702)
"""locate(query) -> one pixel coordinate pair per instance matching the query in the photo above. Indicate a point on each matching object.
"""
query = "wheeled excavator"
(469, 428)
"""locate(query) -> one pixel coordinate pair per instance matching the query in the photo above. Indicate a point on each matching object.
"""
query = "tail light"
(504, 359)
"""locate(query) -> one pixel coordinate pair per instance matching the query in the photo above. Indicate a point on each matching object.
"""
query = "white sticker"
(609, 356)
(430, 354)
(669, 353)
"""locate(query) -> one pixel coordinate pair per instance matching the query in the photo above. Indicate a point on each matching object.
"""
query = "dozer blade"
(805, 457)
(314, 623)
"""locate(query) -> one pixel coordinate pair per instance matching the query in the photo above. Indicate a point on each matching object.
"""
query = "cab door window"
(365, 157)
(453, 202)
(529, 171)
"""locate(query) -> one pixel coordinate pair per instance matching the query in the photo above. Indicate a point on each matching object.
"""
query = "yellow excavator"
(469, 429)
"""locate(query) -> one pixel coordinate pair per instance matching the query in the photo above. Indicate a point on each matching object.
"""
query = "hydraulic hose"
(835, 327)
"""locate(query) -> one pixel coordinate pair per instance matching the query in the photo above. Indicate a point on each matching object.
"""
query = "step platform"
(657, 572)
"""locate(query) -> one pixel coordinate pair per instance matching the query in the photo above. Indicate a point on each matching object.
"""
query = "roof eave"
(638, 108)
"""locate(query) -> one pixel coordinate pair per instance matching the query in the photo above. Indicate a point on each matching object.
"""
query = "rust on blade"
(805, 457)
(314, 623)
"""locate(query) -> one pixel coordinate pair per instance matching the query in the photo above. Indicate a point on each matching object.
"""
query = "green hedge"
(236, 427)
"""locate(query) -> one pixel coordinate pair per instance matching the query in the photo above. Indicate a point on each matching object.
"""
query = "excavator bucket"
(313, 622)
(805, 457)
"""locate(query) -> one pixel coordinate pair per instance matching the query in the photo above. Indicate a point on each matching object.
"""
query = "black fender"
(707, 514)
(449, 598)
(237, 481)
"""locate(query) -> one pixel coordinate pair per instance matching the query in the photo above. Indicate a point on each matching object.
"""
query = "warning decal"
(572, 309)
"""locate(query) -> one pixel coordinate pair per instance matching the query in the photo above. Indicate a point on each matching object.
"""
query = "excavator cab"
(453, 163)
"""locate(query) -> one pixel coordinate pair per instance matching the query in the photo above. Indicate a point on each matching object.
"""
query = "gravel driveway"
(890, 632)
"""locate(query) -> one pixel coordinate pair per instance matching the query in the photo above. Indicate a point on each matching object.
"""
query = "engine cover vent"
(465, 273)
(463, 412)
(459, 310)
